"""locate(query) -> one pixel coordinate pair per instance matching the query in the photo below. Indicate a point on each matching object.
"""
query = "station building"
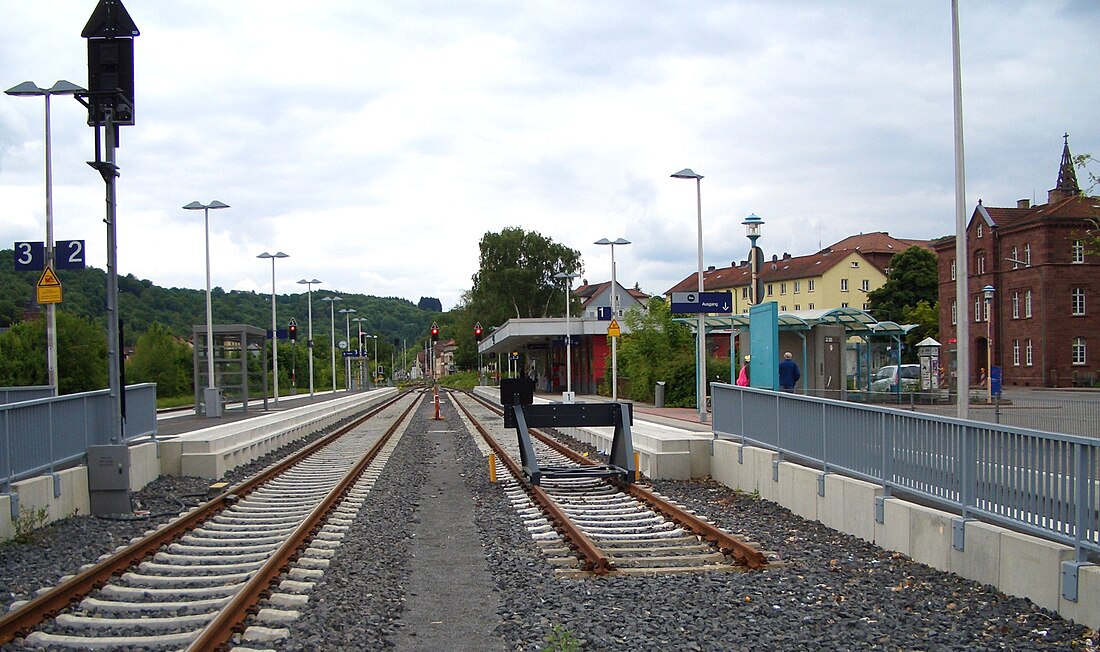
(1042, 264)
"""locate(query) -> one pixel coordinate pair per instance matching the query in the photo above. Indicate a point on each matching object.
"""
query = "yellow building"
(838, 276)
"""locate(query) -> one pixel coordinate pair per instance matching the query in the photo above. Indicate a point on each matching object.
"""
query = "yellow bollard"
(637, 471)
(492, 468)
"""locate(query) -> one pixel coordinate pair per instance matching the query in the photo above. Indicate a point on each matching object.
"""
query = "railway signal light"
(292, 331)
(477, 331)
(435, 332)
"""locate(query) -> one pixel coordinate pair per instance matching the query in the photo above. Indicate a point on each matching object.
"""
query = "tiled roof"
(877, 242)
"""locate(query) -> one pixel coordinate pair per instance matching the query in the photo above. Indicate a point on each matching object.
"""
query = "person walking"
(743, 377)
(788, 373)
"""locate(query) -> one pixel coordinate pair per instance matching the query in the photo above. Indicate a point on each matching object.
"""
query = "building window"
(866, 306)
(797, 288)
(745, 293)
(1016, 353)
(977, 310)
(843, 304)
(979, 229)
(1015, 257)
(952, 269)
(782, 288)
(1015, 305)
(954, 313)
(810, 307)
(1027, 254)
(979, 263)
(865, 285)
(1078, 301)
(1078, 351)
(797, 307)
(843, 285)
(810, 285)
(1078, 252)
(985, 309)
(783, 308)
(855, 264)
(1027, 304)
(1028, 352)
(770, 289)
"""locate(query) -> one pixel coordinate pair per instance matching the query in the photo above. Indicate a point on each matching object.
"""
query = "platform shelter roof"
(854, 321)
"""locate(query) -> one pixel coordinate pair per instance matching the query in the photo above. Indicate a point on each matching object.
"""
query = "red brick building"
(1046, 305)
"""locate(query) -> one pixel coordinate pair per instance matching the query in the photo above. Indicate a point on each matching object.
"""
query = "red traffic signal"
(435, 332)
(292, 332)
(477, 331)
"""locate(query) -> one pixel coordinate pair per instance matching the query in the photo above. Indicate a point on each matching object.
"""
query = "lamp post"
(614, 315)
(30, 89)
(332, 345)
(347, 312)
(374, 372)
(568, 278)
(752, 232)
(274, 324)
(359, 322)
(211, 396)
(987, 291)
(701, 332)
(309, 326)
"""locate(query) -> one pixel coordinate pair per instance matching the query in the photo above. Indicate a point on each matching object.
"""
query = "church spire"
(1067, 177)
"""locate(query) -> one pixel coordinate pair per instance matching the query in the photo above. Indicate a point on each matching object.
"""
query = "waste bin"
(659, 394)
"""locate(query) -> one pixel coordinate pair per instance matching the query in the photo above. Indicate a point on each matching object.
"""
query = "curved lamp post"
(211, 396)
(274, 324)
(332, 345)
(30, 89)
(568, 278)
(309, 332)
(701, 336)
(614, 315)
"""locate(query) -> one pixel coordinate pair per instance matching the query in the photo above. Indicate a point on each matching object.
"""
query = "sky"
(377, 142)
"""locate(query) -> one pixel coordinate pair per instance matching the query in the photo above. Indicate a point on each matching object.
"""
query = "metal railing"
(42, 435)
(28, 393)
(1040, 483)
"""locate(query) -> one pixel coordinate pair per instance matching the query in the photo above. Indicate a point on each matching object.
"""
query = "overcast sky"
(376, 142)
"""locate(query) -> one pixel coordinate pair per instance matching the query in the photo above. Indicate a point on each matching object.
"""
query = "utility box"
(109, 479)
(659, 394)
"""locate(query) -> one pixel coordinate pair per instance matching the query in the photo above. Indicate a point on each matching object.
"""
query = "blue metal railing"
(1041, 483)
(28, 393)
(44, 434)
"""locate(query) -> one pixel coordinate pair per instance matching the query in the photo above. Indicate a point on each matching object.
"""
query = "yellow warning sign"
(613, 329)
(48, 289)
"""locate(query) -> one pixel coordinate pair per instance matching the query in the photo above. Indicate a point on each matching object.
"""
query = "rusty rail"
(47, 605)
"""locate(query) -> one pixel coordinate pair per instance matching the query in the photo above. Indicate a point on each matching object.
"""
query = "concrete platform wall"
(1015, 563)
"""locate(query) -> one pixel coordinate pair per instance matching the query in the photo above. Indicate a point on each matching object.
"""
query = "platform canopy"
(854, 321)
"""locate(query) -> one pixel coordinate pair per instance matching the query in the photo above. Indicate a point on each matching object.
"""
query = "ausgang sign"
(697, 302)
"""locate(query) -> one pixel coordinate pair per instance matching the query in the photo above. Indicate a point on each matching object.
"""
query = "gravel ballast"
(832, 592)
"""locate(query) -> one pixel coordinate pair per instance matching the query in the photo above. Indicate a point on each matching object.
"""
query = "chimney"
(711, 268)
(775, 257)
(1023, 203)
(786, 256)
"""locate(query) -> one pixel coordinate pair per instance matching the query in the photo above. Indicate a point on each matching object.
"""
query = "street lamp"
(309, 332)
(374, 372)
(988, 292)
(211, 396)
(701, 332)
(30, 89)
(614, 315)
(359, 322)
(568, 278)
(274, 326)
(752, 232)
(332, 345)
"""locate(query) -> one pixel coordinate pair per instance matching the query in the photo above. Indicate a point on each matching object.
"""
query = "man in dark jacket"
(788, 373)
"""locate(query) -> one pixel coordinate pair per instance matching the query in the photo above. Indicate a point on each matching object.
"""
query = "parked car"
(886, 380)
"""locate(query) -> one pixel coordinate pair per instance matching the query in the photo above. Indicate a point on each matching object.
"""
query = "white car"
(886, 380)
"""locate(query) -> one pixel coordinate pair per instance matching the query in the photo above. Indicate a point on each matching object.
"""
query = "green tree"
(927, 318)
(658, 349)
(159, 357)
(1091, 235)
(81, 354)
(515, 277)
(912, 279)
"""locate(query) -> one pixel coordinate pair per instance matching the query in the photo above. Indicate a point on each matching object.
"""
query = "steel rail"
(741, 551)
(48, 604)
(219, 631)
(593, 559)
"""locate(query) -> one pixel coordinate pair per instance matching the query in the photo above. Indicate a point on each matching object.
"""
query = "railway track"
(596, 526)
(250, 554)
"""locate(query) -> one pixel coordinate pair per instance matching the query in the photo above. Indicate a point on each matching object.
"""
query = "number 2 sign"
(31, 256)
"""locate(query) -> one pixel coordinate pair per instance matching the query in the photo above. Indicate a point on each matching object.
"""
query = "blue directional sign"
(697, 302)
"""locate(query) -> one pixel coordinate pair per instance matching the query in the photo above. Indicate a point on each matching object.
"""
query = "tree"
(658, 349)
(912, 279)
(81, 354)
(515, 277)
(161, 358)
(1091, 236)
